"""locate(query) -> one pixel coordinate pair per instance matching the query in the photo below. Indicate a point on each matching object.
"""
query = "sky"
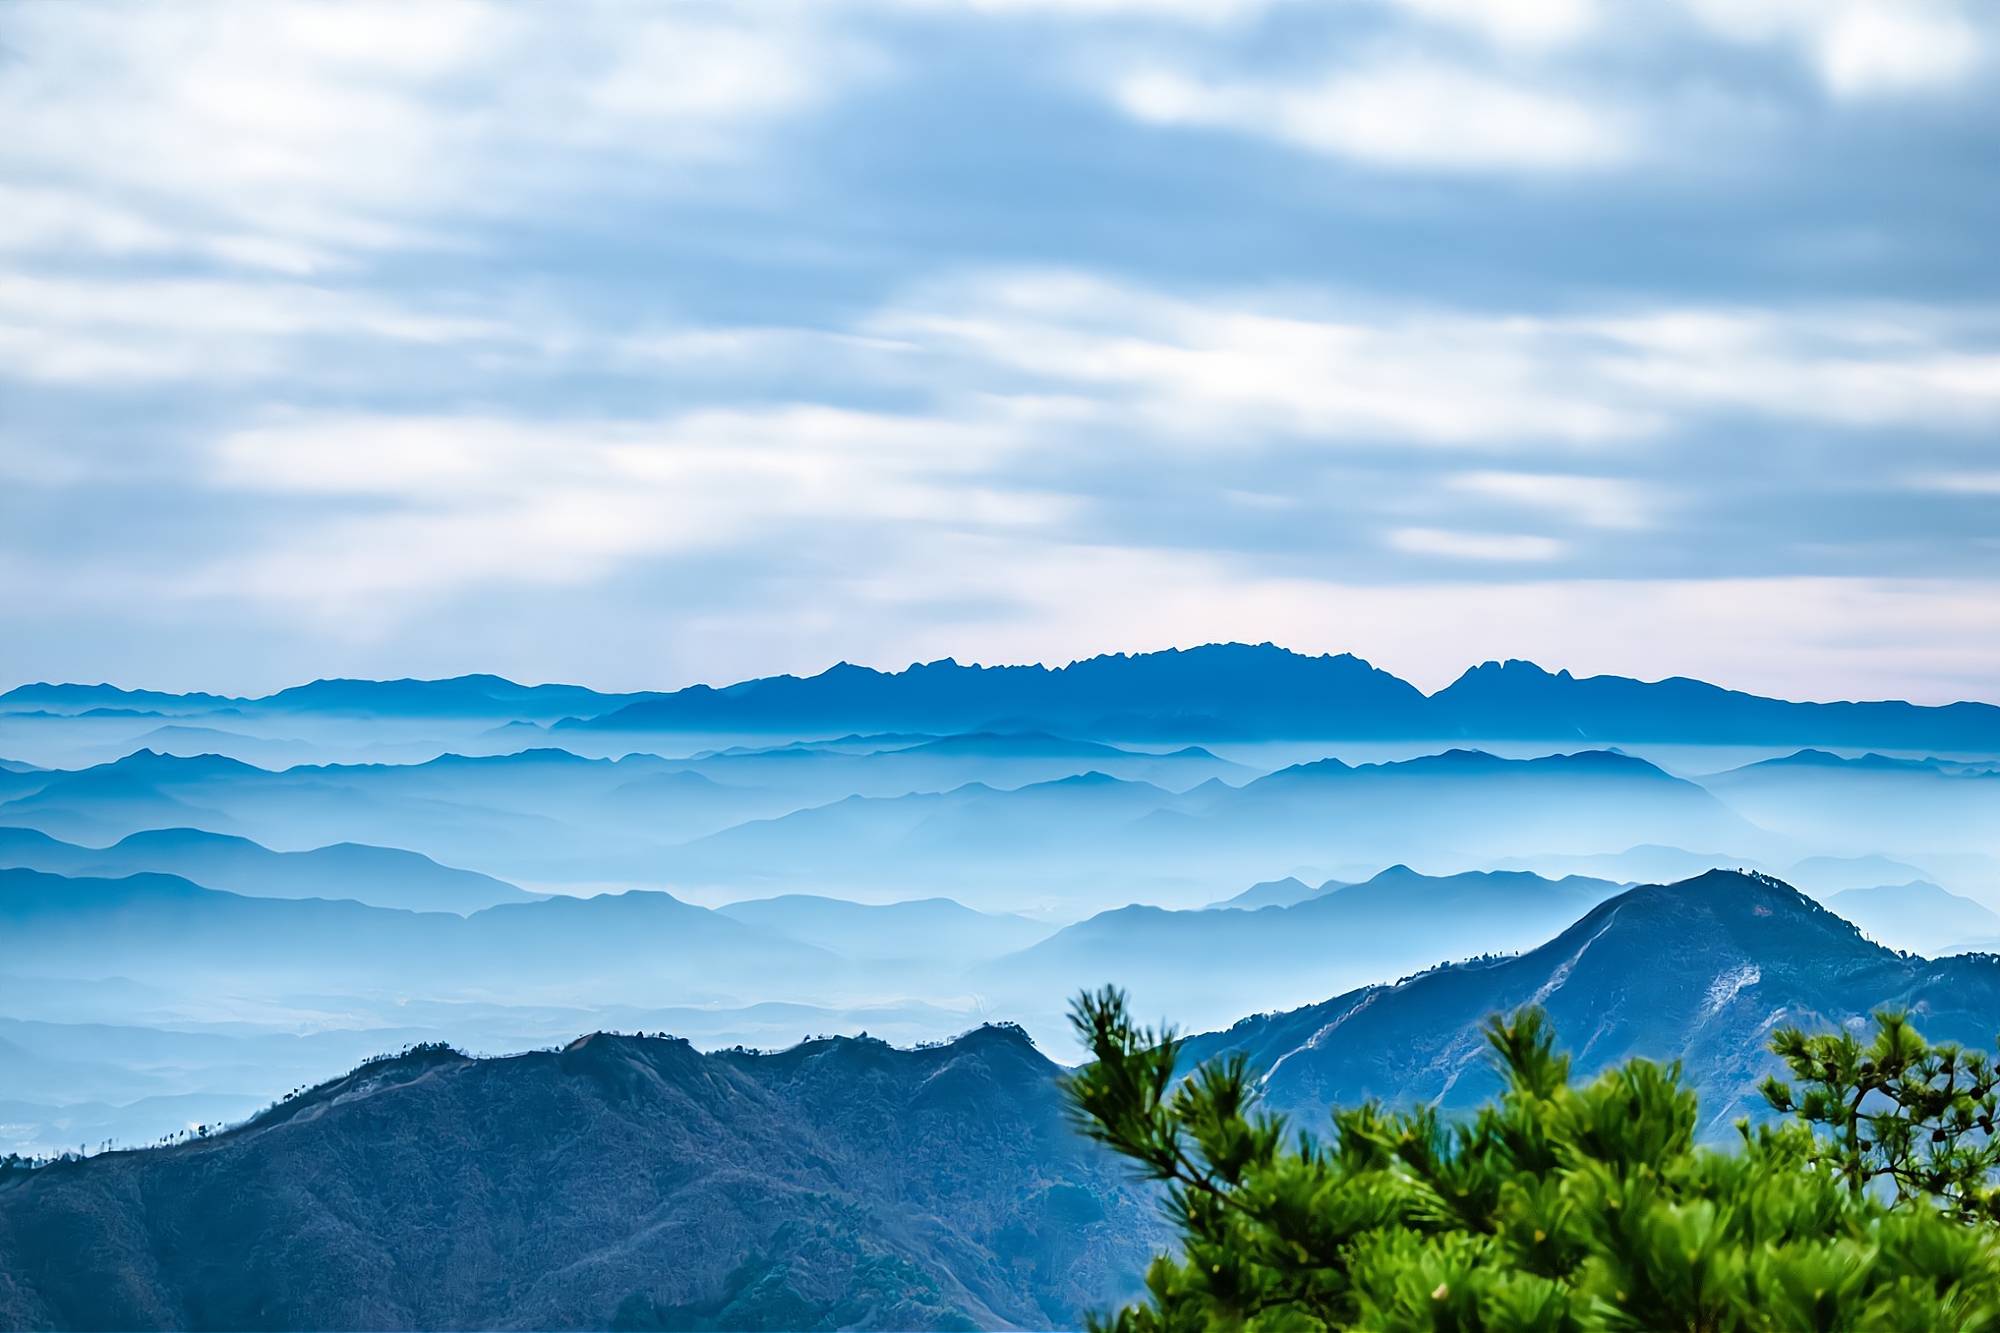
(636, 345)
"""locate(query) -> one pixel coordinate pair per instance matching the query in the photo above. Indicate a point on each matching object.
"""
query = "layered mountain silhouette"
(1275, 893)
(621, 1182)
(1074, 836)
(1919, 916)
(895, 765)
(888, 931)
(1207, 966)
(166, 930)
(546, 812)
(378, 876)
(458, 696)
(1701, 972)
(1870, 803)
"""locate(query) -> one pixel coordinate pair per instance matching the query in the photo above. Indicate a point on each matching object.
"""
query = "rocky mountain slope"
(1701, 971)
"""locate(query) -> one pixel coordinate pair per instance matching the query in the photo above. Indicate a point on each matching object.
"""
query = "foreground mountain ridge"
(619, 1182)
(1221, 690)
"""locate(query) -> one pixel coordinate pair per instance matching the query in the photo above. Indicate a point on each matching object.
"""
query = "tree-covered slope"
(620, 1181)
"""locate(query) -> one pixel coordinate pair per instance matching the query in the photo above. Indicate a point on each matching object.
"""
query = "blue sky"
(637, 345)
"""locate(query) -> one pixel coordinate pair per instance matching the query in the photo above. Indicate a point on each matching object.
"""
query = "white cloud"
(469, 500)
(1597, 502)
(1856, 367)
(1411, 115)
(1860, 48)
(1506, 547)
(1879, 48)
(1957, 483)
(1529, 24)
(301, 133)
(1204, 12)
(111, 330)
(1225, 368)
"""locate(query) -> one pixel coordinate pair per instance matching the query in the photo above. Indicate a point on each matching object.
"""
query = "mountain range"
(1236, 691)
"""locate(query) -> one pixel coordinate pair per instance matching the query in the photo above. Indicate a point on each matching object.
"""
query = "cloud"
(1528, 24)
(1056, 407)
(1958, 483)
(301, 135)
(1419, 116)
(1224, 367)
(1857, 367)
(1200, 12)
(113, 330)
(1229, 364)
(1861, 48)
(703, 340)
(460, 501)
(1488, 546)
(1598, 502)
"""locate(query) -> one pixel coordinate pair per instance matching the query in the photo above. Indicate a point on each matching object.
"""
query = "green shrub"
(1563, 1206)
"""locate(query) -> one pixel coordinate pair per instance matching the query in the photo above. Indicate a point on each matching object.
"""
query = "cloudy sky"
(638, 345)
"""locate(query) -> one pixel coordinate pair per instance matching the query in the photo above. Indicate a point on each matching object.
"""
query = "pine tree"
(1558, 1206)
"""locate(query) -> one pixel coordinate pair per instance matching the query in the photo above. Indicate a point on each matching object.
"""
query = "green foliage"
(1916, 1117)
(1556, 1207)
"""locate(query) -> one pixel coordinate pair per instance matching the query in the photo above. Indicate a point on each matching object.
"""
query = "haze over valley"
(213, 901)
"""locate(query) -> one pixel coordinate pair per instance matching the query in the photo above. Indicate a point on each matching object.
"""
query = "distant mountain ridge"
(456, 696)
(1038, 846)
(1073, 835)
(1211, 964)
(377, 876)
(163, 928)
(1224, 691)
(1219, 688)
